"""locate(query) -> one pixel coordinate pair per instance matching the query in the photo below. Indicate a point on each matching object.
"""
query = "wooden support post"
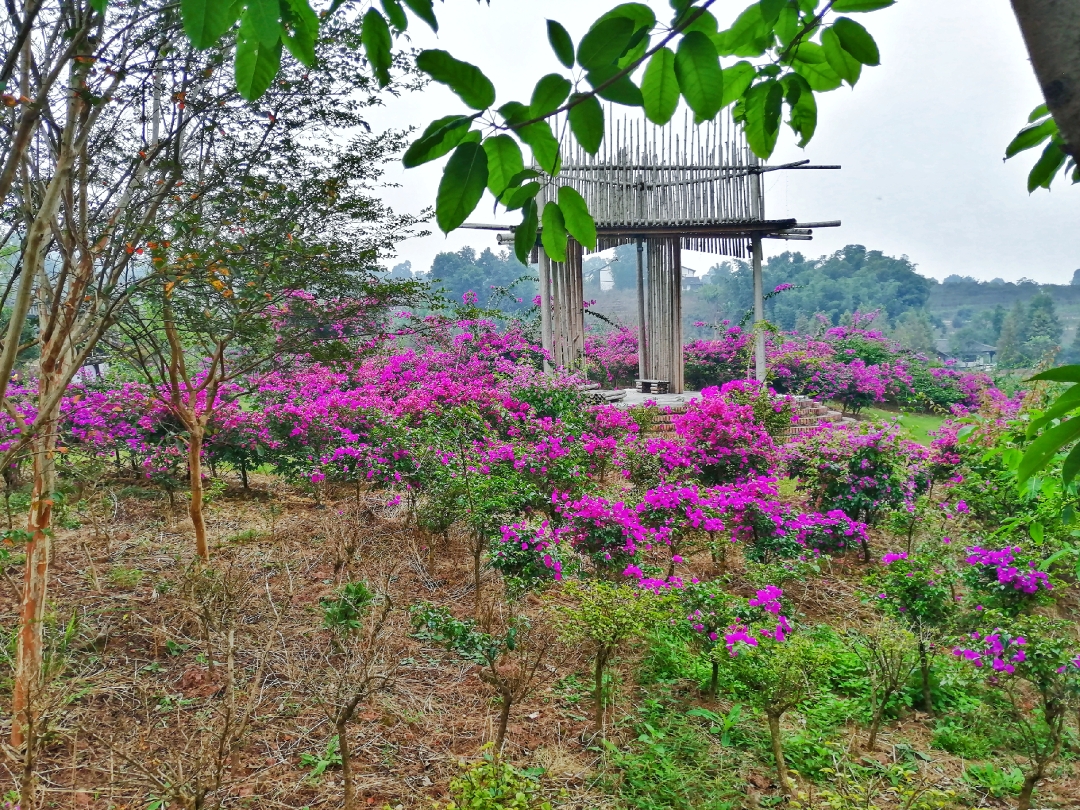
(664, 332)
(759, 311)
(757, 209)
(545, 308)
(642, 363)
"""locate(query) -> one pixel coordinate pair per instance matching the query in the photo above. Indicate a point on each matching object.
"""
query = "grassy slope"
(918, 425)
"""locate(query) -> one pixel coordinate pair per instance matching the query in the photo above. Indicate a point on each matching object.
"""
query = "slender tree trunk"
(477, 551)
(195, 509)
(1030, 781)
(598, 689)
(1051, 31)
(924, 670)
(778, 752)
(346, 763)
(875, 726)
(714, 679)
(243, 476)
(28, 674)
(504, 719)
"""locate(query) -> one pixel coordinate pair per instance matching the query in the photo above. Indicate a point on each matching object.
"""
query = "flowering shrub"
(1006, 578)
(612, 357)
(719, 439)
(853, 365)
(861, 470)
(918, 591)
(1032, 662)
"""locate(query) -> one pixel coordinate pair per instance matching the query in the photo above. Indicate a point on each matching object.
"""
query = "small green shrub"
(496, 785)
(671, 765)
(329, 758)
(995, 781)
(960, 740)
(244, 537)
(125, 577)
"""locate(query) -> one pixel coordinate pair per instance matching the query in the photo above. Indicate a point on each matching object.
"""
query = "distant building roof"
(943, 346)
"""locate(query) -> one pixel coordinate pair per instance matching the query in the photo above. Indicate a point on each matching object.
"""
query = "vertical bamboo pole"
(757, 206)
(642, 363)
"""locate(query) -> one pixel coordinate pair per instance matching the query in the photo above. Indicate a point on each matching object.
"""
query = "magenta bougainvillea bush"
(856, 366)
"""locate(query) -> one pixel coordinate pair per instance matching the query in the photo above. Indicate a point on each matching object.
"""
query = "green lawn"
(918, 425)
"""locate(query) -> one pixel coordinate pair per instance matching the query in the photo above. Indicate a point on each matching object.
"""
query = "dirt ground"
(135, 706)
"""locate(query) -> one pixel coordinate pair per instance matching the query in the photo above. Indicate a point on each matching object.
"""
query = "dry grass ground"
(147, 697)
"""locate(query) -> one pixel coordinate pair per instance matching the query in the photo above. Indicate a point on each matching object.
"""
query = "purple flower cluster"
(1003, 651)
(1024, 578)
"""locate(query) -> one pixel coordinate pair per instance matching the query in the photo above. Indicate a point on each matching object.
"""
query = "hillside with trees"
(1024, 321)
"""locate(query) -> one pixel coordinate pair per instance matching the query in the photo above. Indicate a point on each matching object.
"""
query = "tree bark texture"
(346, 765)
(28, 674)
(195, 510)
(778, 753)
(504, 720)
(1051, 31)
(598, 689)
(924, 671)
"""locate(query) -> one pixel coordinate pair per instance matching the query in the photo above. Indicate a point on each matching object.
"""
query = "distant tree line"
(957, 315)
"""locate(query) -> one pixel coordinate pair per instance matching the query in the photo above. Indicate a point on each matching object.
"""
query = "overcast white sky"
(920, 138)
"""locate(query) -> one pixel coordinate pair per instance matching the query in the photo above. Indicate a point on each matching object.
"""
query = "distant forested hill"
(1023, 319)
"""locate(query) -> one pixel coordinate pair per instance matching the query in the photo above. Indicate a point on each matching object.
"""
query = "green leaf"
(578, 220)
(750, 35)
(1059, 374)
(561, 43)
(100, 5)
(468, 81)
(660, 87)
(463, 182)
(706, 23)
(304, 26)
(205, 21)
(847, 67)
(854, 6)
(644, 19)
(621, 91)
(438, 139)
(770, 10)
(553, 233)
(549, 93)
(1071, 466)
(803, 107)
(525, 233)
(1046, 447)
(544, 147)
(375, 37)
(764, 103)
(787, 25)
(737, 78)
(700, 77)
(1042, 173)
(514, 112)
(1030, 137)
(517, 197)
(265, 17)
(396, 14)
(587, 123)
(605, 42)
(1037, 531)
(1039, 112)
(504, 162)
(425, 11)
(810, 63)
(857, 41)
(1069, 401)
(255, 65)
